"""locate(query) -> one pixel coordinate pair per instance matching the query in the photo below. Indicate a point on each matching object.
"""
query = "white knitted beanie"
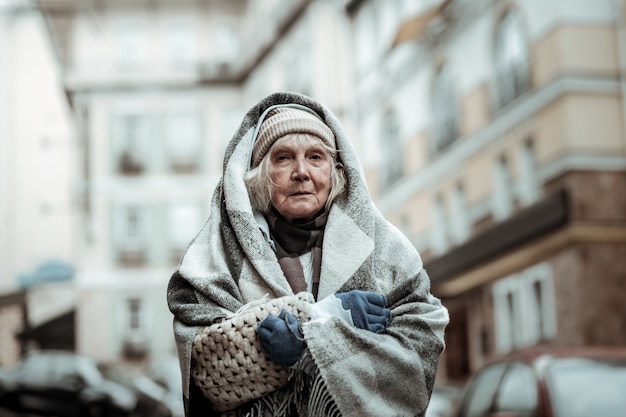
(285, 120)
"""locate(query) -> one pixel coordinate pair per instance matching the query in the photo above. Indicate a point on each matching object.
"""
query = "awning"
(414, 27)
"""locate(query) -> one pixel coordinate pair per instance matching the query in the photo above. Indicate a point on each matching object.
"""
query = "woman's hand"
(368, 309)
(281, 338)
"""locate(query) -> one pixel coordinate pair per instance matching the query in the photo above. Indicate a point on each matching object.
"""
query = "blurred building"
(152, 88)
(491, 133)
(37, 216)
(157, 90)
(493, 136)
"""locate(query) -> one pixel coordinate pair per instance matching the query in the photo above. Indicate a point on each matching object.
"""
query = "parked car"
(63, 384)
(548, 382)
(166, 373)
(150, 395)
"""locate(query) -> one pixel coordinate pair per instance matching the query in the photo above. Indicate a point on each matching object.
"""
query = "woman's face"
(300, 170)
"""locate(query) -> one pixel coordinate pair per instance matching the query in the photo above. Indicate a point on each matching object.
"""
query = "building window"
(524, 308)
(439, 231)
(511, 58)
(183, 137)
(130, 137)
(227, 41)
(299, 78)
(392, 148)
(460, 220)
(445, 110)
(184, 221)
(366, 28)
(503, 189)
(135, 343)
(134, 314)
(130, 226)
(130, 46)
(181, 44)
(529, 183)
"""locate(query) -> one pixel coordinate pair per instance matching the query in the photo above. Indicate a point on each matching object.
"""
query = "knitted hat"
(283, 121)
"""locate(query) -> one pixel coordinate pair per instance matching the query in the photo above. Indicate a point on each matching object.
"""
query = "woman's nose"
(300, 169)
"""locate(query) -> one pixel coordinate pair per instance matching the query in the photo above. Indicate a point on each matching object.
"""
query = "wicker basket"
(229, 365)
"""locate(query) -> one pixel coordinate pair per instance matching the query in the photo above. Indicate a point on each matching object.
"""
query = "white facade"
(152, 141)
(37, 180)
(37, 150)
(153, 123)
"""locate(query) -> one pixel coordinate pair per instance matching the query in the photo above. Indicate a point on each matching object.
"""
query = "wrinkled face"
(300, 169)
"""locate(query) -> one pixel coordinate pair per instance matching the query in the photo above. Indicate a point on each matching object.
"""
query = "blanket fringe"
(305, 396)
(315, 400)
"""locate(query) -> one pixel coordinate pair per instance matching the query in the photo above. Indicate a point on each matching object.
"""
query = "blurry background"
(491, 133)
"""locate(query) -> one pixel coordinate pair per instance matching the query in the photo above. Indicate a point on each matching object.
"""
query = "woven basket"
(229, 365)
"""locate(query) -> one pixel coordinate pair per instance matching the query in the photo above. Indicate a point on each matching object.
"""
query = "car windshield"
(583, 387)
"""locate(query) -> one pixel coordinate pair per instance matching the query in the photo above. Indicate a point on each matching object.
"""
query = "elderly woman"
(297, 298)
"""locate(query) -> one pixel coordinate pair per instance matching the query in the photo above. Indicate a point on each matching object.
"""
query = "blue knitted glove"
(281, 338)
(368, 309)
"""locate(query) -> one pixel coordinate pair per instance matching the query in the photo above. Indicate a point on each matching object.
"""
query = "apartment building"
(493, 136)
(154, 94)
(36, 184)
(157, 89)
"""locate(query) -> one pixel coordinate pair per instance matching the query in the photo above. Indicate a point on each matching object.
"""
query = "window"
(445, 110)
(227, 41)
(439, 234)
(481, 390)
(184, 221)
(524, 308)
(181, 44)
(518, 392)
(511, 58)
(183, 136)
(502, 189)
(135, 342)
(539, 294)
(130, 138)
(134, 314)
(299, 78)
(460, 221)
(366, 28)
(130, 45)
(528, 184)
(130, 225)
(392, 149)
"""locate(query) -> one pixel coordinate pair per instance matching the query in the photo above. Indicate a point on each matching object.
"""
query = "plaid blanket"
(230, 264)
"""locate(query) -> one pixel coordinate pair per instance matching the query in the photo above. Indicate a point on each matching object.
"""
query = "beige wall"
(474, 110)
(575, 49)
(576, 124)
(416, 153)
(11, 322)
(594, 123)
(580, 123)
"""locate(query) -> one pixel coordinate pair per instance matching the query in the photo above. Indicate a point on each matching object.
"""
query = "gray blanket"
(230, 264)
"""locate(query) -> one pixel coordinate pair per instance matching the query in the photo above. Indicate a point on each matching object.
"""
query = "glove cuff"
(329, 307)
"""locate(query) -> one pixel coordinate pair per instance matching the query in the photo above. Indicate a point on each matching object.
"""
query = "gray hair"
(259, 181)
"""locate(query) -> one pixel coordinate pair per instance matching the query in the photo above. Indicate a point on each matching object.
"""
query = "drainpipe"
(621, 52)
